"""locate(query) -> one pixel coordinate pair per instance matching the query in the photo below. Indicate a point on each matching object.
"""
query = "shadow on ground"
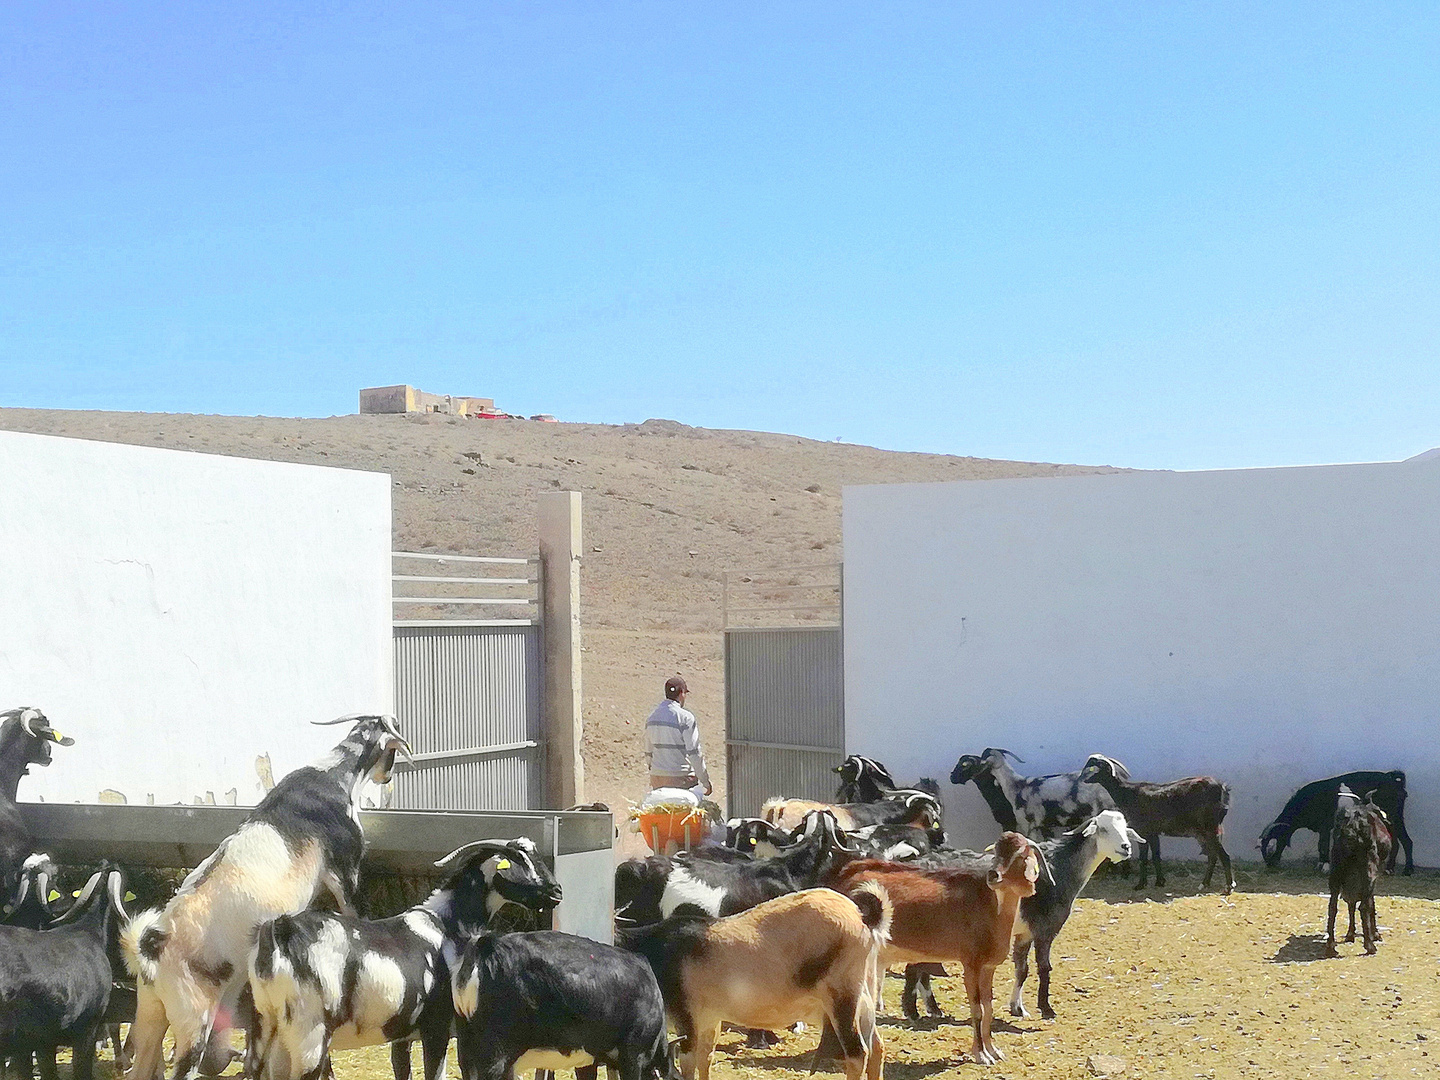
(1300, 949)
(1183, 878)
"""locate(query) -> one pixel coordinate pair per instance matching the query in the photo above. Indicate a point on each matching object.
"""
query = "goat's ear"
(1090, 827)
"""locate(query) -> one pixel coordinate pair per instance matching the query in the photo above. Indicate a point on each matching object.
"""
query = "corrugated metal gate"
(784, 686)
(467, 691)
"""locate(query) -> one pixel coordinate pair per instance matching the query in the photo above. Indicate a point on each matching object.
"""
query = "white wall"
(1267, 626)
(180, 614)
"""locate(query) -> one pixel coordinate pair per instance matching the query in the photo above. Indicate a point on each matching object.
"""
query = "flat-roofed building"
(407, 399)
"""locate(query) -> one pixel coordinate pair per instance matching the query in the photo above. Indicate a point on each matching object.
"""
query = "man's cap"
(674, 686)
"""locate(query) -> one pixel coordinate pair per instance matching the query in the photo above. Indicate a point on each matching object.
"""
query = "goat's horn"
(1044, 863)
(475, 845)
(117, 883)
(80, 901)
(1007, 753)
(352, 718)
(21, 893)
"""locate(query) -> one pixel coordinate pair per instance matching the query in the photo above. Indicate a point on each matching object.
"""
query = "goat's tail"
(142, 939)
(876, 910)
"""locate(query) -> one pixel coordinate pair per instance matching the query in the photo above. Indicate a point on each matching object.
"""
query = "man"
(674, 743)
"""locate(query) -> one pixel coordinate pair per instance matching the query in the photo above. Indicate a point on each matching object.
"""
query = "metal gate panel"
(468, 699)
(784, 714)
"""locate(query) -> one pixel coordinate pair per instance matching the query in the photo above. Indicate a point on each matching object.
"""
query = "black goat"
(547, 1000)
(1313, 808)
(55, 984)
(755, 836)
(304, 837)
(25, 738)
(863, 779)
(1195, 807)
(1038, 806)
(323, 981)
(1360, 847)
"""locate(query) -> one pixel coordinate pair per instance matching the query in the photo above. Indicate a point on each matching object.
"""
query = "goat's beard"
(512, 917)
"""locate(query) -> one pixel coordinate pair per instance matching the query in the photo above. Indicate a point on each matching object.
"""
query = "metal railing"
(783, 596)
(452, 599)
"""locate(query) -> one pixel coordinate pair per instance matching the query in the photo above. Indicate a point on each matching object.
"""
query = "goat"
(1195, 806)
(55, 983)
(1313, 807)
(807, 956)
(904, 806)
(724, 888)
(1073, 858)
(755, 836)
(1040, 806)
(959, 913)
(25, 738)
(322, 981)
(863, 779)
(190, 959)
(546, 1000)
(1359, 849)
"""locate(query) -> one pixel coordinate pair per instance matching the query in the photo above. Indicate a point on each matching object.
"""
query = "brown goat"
(956, 913)
(811, 955)
(1360, 846)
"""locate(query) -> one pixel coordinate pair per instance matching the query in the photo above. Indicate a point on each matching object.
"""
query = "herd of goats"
(794, 918)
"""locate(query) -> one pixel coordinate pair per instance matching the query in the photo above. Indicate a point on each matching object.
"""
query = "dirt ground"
(1175, 985)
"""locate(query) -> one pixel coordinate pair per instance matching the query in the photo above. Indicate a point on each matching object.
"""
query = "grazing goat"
(1041, 806)
(1313, 807)
(904, 806)
(809, 956)
(959, 913)
(1195, 806)
(1360, 846)
(25, 738)
(322, 981)
(190, 959)
(546, 1000)
(55, 983)
(1073, 858)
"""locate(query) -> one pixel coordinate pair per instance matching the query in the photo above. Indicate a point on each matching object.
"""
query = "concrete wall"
(180, 614)
(1267, 626)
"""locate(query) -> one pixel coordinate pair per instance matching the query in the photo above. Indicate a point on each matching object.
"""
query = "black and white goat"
(1360, 847)
(1195, 807)
(1040, 806)
(25, 739)
(724, 888)
(863, 779)
(323, 982)
(1073, 857)
(755, 836)
(546, 1000)
(1313, 807)
(55, 984)
(190, 959)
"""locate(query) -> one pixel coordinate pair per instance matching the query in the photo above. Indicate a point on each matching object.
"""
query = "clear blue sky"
(1151, 234)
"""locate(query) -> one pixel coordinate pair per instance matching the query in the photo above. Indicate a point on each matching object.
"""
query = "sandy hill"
(667, 509)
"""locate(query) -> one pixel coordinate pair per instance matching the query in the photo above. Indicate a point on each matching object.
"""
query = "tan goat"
(956, 913)
(811, 955)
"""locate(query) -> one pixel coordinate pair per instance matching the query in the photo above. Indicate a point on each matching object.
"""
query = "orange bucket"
(661, 828)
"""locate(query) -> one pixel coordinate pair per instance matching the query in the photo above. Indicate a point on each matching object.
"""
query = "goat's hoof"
(1407, 871)
(1019, 1010)
(1331, 952)
(1047, 1013)
(996, 1055)
(1370, 949)
(912, 1014)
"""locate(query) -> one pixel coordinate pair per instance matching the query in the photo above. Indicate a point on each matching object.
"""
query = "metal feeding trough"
(577, 844)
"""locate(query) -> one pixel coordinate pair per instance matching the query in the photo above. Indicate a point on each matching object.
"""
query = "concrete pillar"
(559, 513)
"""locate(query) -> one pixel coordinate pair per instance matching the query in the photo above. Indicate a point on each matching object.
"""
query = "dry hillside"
(667, 509)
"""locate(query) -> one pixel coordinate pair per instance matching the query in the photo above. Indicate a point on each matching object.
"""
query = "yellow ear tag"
(76, 894)
(55, 894)
(503, 864)
(129, 896)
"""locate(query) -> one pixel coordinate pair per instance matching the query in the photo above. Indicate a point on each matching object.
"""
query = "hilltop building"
(407, 399)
